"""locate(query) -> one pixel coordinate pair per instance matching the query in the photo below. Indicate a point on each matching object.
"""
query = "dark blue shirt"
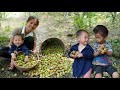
(20, 48)
(82, 65)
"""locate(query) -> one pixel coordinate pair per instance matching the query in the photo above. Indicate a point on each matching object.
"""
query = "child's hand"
(76, 54)
(26, 59)
(73, 54)
(34, 51)
(15, 52)
(99, 50)
(79, 54)
(102, 50)
(13, 56)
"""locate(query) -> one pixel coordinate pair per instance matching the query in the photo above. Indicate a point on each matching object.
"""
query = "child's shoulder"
(13, 46)
(74, 45)
(95, 44)
(107, 42)
(23, 46)
(88, 46)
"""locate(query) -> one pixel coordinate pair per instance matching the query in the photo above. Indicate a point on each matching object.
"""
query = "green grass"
(4, 40)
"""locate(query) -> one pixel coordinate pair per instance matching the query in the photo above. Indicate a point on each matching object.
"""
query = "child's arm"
(109, 49)
(12, 52)
(88, 53)
(73, 56)
(13, 56)
(25, 50)
(108, 53)
(79, 54)
(96, 54)
(70, 52)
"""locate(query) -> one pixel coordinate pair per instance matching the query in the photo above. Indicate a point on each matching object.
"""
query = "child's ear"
(23, 41)
(78, 38)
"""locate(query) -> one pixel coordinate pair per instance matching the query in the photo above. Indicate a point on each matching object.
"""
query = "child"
(102, 53)
(82, 53)
(16, 47)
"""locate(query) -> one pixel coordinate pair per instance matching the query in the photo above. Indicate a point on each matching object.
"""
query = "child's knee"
(98, 75)
(115, 75)
(88, 74)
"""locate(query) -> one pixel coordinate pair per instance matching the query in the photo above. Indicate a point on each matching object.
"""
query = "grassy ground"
(4, 64)
(5, 73)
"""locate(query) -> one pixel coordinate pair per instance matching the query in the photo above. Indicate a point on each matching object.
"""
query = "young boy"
(82, 53)
(16, 47)
(102, 53)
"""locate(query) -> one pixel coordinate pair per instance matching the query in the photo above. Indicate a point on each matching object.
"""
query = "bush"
(4, 40)
(7, 30)
(116, 47)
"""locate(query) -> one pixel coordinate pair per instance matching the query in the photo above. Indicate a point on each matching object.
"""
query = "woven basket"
(22, 69)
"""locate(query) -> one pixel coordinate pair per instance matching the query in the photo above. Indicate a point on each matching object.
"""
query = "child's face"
(99, 38)
(31, 25)
(17, 41)
(83, 38)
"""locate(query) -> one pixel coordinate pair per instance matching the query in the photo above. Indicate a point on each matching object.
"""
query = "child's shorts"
(100, 69)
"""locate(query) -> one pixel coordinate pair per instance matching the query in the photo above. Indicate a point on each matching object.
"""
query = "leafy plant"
(4, 40)
(116, 47)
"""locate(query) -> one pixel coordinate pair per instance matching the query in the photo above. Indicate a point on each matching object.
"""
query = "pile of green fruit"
(52, 50)
(20, 60)
(52, 64)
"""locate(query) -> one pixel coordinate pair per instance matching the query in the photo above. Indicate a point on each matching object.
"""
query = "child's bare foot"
(26, 60)
(11, 67)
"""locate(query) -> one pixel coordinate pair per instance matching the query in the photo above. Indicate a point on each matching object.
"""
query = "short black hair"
(80, 31)
(101, 29)
(20, 35)
(33, 17)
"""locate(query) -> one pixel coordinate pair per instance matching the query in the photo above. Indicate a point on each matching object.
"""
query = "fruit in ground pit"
(52, 64)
